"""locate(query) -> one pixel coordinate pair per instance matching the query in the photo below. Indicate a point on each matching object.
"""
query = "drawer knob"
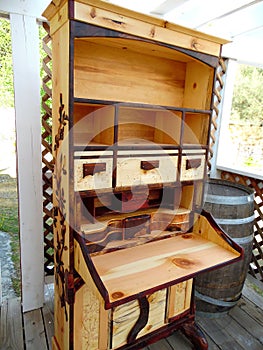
(93, 168)
(149, 165)
(193, 163)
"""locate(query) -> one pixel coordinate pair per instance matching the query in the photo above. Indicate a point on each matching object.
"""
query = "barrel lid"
(226, 192)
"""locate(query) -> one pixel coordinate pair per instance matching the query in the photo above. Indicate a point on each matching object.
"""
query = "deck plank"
(161, 345)
(240, 335)
(178, 341)
(254, 328)
(35, 336)
(251, 309)
(240, 329)
(48, 313)
(11, 334)
(218, 334)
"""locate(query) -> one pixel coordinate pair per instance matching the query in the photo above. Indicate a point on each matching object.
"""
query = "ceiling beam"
(235, 10)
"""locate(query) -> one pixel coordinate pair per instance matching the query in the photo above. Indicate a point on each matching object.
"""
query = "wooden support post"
(25, 47)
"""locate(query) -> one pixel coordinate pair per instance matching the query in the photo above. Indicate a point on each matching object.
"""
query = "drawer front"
(179, 298)
(124, 318)
(192, 167)
(142, 170)
(92, 173)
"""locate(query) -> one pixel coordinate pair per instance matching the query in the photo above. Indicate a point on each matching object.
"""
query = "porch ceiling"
(240, 21)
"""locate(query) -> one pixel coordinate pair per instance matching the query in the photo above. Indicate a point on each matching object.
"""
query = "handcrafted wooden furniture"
(132, 104)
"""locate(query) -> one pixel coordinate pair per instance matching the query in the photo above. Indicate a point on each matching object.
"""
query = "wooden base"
(192, 331)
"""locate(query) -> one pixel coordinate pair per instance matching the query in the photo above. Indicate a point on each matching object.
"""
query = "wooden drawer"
(124, 318)
(192, 165)
(146, 167)
(179, 298)
(91, 171)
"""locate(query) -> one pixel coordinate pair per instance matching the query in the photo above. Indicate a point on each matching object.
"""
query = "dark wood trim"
(92, 270)
(82, 30)
(142, 320)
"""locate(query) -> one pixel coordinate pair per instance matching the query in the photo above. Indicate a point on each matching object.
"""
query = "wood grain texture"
(179, 298)
(35, 337)
(125, 317)
(130, 271)
(86, 320)
(137, 77)
(11, 336)
(60, 82)
(140, 26)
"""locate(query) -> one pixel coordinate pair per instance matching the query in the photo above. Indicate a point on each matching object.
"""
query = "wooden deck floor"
(241, 329)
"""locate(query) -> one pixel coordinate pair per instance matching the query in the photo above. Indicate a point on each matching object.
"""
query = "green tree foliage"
(247, 104)
(6, 67)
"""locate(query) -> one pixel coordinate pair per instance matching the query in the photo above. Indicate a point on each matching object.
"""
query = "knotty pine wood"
(102, 72)
(125, 316)
(60, 42)
(126, 21)
(180, 298)
(247, 316)
(93, 124)
(141, 268)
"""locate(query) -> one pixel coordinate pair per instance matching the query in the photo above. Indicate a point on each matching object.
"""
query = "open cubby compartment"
(118, 220)
(123, 230)
(196, 128)
(153, 126)
(127, 70)
(93, 124)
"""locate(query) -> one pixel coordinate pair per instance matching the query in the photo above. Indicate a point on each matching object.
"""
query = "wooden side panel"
(87, 320)
(179, 298)
(60, 184)
(103, 72)
(198, 83)
(88, 298)
(59, 19)
(203, 228)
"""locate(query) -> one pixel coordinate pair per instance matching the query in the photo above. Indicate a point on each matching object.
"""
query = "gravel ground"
(7, 266)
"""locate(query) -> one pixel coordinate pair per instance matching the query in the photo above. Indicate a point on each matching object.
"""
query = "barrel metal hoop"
(239, 221)
(244, 240)
(228, 200)
(216, 301)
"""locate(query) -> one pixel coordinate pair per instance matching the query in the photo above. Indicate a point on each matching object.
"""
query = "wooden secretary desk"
(132, 104)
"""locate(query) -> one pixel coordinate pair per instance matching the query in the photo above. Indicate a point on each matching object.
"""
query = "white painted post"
(25, 47)
(223, 148)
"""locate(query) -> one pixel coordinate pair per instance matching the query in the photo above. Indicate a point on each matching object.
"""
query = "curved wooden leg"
(192, 331)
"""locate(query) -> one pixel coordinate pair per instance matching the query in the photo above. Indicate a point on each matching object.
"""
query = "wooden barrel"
(232, 206)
